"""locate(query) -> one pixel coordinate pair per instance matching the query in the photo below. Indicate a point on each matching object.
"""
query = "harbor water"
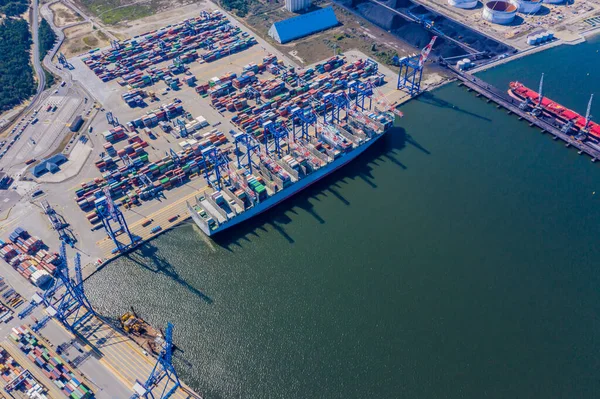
(457, 258)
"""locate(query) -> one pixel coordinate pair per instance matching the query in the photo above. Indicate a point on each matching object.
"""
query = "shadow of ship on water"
(385, 150)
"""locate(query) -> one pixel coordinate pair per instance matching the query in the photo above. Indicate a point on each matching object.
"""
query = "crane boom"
(425, 52)
(587, 113)
(540, 92)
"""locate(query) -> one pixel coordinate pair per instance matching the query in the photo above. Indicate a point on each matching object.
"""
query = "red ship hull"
(554, 109)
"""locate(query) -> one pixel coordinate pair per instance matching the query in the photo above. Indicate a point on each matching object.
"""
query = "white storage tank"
(466, 4)
(499, 12)
(527, 6)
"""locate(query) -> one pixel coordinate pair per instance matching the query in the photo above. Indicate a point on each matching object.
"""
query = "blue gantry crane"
(244, 154)
(112, 120)
(58, 224)
(302, 120)
(275, 132)
(183, 132)
(411, 70)
(213, 160)
(72, 307)
(251, 93)
(17, 381)
(110, 214)
(362, 91)
(40, 323)
(162, 373)
(338, 103)
(30, 306)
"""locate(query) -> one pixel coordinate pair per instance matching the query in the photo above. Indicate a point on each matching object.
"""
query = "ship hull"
(555, 110)
(285, 193)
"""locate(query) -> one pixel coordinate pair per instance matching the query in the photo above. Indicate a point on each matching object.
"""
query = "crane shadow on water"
(385, 150)
(146, 256)
(430, 99)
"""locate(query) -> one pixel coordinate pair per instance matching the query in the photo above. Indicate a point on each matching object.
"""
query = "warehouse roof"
(303, 25)
(49, 165)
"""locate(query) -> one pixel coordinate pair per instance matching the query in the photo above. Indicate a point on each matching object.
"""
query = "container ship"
(553, 109)
(273, 179)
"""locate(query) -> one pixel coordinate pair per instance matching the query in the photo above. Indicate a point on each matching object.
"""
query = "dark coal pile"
(418, 36)
(378, 15)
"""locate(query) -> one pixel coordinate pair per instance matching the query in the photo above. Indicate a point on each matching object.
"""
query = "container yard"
(29, 256)
(210, 32)
(178, 110)
(18, 381)
(133, 171)
(10, 298)
(50, 364)
(168, 118)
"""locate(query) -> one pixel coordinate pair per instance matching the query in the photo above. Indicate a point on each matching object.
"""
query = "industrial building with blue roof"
(303, 25)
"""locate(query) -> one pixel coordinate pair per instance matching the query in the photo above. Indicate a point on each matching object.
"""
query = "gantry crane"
(588, 118)
(109, 214)
(111, 119)
(411, 70)
(58, 223)
(302, 120)
(162, 373)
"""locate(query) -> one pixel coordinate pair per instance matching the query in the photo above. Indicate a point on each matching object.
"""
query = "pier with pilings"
(511, 105)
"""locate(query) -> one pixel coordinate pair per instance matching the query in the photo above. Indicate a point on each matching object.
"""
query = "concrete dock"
(503, 100)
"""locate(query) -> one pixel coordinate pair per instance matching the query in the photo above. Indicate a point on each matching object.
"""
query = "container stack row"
(165, 112)
(10, 369)
(115, 134)
(127, 186)
(26, 254)
(10, 297)
(276, 98)
(211, 32)
(52, 366)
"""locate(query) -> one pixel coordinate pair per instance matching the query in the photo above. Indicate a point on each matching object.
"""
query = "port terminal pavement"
(98, 246)
(116, 352)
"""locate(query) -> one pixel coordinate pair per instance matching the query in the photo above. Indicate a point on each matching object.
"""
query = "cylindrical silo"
(463, 3)
(527, 6)
(499, 12)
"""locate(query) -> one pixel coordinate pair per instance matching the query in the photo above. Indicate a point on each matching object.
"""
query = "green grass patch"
(129, 13)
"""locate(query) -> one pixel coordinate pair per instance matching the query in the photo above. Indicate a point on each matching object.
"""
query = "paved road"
(36, 53)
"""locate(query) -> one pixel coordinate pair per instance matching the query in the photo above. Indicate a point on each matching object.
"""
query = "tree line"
(13, 8)
(16, 72)
(240, 6)
(47, 38)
